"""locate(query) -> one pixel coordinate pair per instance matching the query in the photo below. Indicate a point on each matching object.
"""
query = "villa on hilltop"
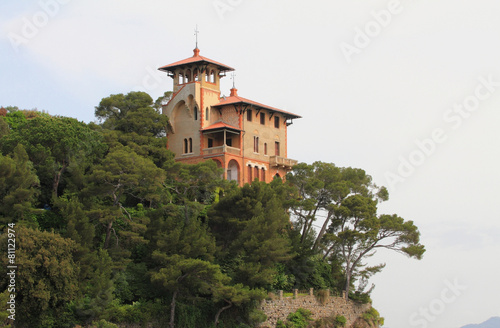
(245, 138)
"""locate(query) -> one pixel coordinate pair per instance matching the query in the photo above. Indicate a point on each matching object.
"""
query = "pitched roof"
(233, 100)
(195, 59)
(220, 125)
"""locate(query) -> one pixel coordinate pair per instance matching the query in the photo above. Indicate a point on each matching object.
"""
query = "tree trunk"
(172, 309)
(348, 275)
(108, 234)
(57, 179)
(220, 311)
(322, 232)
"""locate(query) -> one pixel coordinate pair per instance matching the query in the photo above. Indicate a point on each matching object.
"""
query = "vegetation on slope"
(109, 228)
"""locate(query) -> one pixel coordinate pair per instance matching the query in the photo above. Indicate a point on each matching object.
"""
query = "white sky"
(399, 87)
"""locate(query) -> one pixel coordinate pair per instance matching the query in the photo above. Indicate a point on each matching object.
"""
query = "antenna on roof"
(196, 35)
(233, 75)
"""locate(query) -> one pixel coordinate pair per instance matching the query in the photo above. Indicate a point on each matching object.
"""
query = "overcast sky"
(407, 90)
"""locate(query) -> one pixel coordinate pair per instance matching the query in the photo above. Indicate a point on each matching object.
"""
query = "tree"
(132, 120)
(359, 232)
(234, 295)
(52, 144)
(349, 198)
(18, 186)
(124, 175)
(183, 251)
(115, 107)
(251, 228)
(321, 188)
(47, 278)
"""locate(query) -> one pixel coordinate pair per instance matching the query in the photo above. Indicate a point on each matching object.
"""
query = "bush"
(104, 324)
(322, 296)
(299, 319)
(358, 297)
(340, 321)
(372, 316)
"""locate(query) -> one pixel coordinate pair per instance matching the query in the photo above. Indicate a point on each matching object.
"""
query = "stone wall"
(281, 307)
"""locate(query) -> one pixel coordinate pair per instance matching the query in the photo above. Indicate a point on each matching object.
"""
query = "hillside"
(493, 322)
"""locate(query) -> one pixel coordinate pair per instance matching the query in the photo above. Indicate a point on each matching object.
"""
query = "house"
(246, 138)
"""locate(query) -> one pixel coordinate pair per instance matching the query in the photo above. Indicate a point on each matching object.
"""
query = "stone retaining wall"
(280, 308)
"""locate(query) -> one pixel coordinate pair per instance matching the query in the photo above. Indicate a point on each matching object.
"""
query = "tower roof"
(196, 59)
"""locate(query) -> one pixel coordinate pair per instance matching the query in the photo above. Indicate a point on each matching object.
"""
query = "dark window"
(249, 115)
(210, 143)
(277, 122)
(207, 114)
(185, 146)
(277, 148)
(256, 170)
(262, 118)
(255, 144)
(249, 173)
(190, 145)
(195, 112)
(229, 142)
(263, 175)
(265, 148)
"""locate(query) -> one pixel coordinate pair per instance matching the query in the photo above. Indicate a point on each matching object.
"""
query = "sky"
(409, 91)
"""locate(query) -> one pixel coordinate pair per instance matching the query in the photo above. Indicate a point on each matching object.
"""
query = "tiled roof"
(195, 59)
(220, 125)
(233, 100)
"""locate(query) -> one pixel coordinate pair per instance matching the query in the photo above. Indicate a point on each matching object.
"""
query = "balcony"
(214, 151)
(282, 162)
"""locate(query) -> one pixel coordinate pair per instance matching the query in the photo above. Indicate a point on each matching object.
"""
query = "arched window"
(195, 74)
(263, 175)
(190, 145)
(185, 146)
(188, 76)
(212, 76)
(195, 113)
(256, 172)
(206, 76)
(265, 148)
(181, 78)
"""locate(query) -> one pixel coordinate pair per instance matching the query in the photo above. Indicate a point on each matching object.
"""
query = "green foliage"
(48, 279)
(15, 118)
(53, 144)
(18, 186)
(349, 198)
(250, 225)
(128, 235)
(104, 324)
(372, 317)
(360, 297)
(298, 319)
(340, 321)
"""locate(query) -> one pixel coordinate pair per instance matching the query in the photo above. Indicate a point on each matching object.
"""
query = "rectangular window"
(249, 174)
(229, 142)
(210, 142)
(249, 115)
(255, 144)
(263, 118)
(265, 148)
(277, 148)
(277, 122)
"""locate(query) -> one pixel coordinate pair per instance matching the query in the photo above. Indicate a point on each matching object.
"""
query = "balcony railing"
(282, 161)
(221, 150)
